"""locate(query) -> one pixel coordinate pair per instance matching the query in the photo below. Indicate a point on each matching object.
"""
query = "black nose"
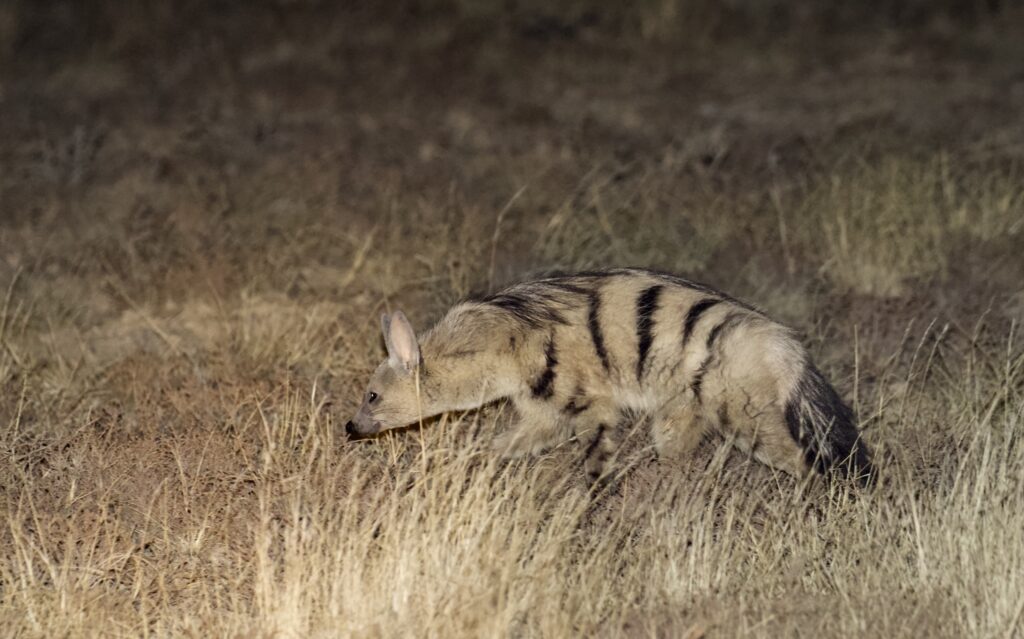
(350, 428)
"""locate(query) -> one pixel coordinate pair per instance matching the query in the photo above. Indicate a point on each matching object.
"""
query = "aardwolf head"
(391, 399)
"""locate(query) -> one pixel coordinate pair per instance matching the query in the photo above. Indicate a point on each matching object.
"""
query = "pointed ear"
(403, 349)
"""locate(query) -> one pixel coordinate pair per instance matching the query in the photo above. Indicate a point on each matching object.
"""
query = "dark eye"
(372, 397)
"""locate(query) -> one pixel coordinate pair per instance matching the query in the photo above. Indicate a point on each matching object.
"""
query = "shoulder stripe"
(544, 386)
(646, 305)
(726, 323)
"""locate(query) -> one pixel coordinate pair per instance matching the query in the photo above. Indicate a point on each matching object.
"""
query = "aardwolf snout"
(361, 428)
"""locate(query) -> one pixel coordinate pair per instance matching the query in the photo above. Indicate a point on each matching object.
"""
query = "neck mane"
(469, 358)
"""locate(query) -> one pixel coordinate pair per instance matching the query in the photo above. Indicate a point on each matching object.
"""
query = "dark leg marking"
(646, 305)
(594, 443)
(576, 406)
(694, 314)
(698, 378)
(594, 324)
(544, 386)
(723, 416)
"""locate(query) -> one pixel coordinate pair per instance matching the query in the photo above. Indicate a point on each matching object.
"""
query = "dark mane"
(528, 308)
(544, 300)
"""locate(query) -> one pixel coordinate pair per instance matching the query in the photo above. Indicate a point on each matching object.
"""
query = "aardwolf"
(588, 353)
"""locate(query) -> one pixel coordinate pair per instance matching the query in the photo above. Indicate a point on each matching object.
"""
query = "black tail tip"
(857, 466)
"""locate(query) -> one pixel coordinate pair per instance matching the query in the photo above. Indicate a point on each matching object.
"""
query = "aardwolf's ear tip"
(399, 322)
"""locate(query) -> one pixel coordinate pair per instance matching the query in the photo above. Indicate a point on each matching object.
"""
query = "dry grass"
(201, 507)
(886, 225)
(190, 275)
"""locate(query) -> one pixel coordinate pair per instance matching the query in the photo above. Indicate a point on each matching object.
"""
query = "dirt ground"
(204, 210)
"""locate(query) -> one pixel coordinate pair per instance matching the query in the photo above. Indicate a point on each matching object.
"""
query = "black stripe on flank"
(544, 386)
(646, 305)
(717, 330)
(709, 361)
(694, 314)
(594, 324)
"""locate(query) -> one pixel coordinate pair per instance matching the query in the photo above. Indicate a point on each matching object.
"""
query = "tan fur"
(540, 345)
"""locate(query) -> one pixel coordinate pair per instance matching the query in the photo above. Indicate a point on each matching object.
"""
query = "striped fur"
(646, 305)
(577, 353)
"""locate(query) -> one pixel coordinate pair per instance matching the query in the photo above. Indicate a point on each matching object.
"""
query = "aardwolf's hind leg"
(678, 427)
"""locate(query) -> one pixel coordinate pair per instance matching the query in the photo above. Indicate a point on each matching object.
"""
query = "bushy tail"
(823, 425)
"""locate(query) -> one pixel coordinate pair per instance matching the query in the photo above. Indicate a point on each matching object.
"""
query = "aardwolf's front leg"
(538, 427)
(597, 428)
